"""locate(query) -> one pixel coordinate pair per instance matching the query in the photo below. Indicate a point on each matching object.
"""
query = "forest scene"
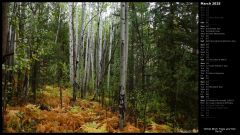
(100, 67)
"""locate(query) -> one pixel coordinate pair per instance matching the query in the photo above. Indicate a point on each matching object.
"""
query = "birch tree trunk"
(90, 44)
(123, 66)
(80, 49)
(98, 51)
(86, 69)
(96, 54)
(110, 53)
(72, 51)
(71, 42)
(76, 51)
(92, 48)
(74, 63)
(76, 30)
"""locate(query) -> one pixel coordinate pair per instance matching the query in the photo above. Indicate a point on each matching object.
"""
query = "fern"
(75, 109)
(93, 127)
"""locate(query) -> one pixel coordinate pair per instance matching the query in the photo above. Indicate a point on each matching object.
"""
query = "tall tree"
(80, 49)
(35, 9)
(86, 69)
(59, 68)
(98, 53)
(92, 47)
(71, 41)
(110, 52)
(126, 47)
(72, 51)
(4, 47)
(123, 65)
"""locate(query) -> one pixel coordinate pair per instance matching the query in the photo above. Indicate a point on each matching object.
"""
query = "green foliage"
(14, 122)
(75, 109)
(93, 127)
(173, 83)
(33, 108)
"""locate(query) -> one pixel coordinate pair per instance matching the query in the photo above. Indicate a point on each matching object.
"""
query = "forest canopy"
(136, 62)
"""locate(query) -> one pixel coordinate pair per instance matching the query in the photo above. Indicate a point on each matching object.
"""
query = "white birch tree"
(72, 51)
(123, 65)
(81, 48)
(71, 41)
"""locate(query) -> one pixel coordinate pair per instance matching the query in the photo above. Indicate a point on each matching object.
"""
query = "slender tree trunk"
(126, 49)
(103, 66)
(86, 69)
(74, 64)
(109, 55)
(89, 46)
(76, 61)
(4, 28)
(98, 53)
(4, 47)
(96, 56)
(76, 32)
(21, 87)
(58, 68)
(92, 49)
(72, 51)
(80, 49)
(59, 23)
(123, 66)
(59, 85)
(35, 63)
(34, 81)
(25, 84)
(144, 113)
(71, 41)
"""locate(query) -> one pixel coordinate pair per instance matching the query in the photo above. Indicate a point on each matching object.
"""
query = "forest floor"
(85, 117)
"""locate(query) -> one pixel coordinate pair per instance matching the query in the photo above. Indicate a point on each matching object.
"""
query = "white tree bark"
(111, 33)
(99, 49)
(81, 47)
(86, 69)
(82, 26)
(90, 42)
(71, 41)
(97, 53)
(123, 65)
(76, 33)
(92, 48)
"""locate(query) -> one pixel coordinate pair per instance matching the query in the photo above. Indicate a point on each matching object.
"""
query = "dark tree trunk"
(4, 46)
(34, 80)
(59, 85)
(25, 85)
(4, 28)
(19, 86)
